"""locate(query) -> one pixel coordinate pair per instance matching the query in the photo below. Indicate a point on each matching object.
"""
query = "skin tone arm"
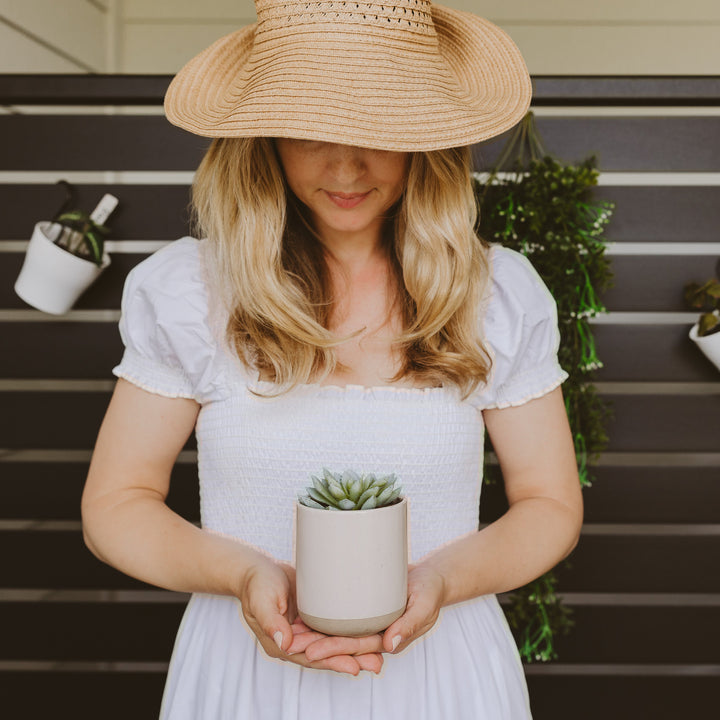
(127, 524)
(534, 446)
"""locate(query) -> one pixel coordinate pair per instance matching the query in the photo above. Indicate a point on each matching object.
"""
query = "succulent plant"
(350, 491)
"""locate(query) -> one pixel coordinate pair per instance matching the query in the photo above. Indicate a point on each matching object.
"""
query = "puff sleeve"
(169, 346)
(521, 331)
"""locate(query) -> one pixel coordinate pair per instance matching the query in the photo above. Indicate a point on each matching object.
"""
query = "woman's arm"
(534, 446)
(127, 524)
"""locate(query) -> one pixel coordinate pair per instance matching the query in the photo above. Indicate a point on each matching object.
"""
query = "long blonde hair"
(272, 274)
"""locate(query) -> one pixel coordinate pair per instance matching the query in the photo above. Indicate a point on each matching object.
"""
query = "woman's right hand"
(267, 600)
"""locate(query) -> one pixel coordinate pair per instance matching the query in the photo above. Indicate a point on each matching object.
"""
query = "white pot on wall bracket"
(52, 279)
(709, 344)
(351, 568)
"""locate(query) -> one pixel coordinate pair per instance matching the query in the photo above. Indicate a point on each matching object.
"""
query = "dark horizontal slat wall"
(641, 580)
(147, 142)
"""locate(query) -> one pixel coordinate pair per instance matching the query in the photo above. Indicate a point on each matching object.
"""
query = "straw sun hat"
(403, 75)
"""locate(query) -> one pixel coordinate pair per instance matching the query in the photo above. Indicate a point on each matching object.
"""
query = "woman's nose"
(346, 162)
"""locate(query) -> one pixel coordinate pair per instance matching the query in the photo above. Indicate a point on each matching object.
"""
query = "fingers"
(424, 603)
(372, 662)
(303, 639)
(328, 646)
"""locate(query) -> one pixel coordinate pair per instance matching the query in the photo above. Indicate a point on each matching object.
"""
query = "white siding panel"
(622, 50)
(75, 28)
(177, 9)
(166, 48)
(636, 11)
(20, 54)
(647, 12)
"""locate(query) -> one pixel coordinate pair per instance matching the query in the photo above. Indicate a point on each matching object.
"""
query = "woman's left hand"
(426, 588)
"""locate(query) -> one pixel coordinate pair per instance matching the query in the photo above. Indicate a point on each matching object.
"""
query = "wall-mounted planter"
(51, 278)
(709, 344)
(351, 568)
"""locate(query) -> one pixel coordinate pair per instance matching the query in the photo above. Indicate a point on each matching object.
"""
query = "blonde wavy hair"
(273, 277)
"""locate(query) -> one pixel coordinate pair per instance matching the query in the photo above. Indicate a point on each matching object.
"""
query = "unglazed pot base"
(350, 627)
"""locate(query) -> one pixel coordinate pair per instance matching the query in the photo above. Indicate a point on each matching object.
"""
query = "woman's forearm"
(139, 535)
(532, 537)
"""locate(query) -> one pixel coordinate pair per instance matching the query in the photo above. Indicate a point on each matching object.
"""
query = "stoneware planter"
(709, 344)
(351, 568)
(51, 278)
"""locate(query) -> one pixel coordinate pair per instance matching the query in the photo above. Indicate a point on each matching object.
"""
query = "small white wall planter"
(351, 568)
(52, 279)
(709, 344)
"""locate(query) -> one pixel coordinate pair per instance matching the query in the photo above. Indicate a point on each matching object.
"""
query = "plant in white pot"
(351, 553)
(706, 331)
(64, 257)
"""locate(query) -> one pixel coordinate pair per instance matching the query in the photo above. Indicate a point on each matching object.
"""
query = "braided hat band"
(405, 75)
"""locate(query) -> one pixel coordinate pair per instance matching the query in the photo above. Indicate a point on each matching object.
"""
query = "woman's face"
(347, 189)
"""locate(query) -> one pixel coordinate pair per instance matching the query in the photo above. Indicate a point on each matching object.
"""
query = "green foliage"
(545, 210)
(350, 491)
(86, 238)
(538, 616)
(705, 297)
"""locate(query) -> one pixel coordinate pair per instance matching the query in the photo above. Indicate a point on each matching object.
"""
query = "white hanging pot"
(52, 278)
(351, 568)
(709, 344)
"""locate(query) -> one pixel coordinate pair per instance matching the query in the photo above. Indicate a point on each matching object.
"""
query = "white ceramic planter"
(709, 344)
(51, 278)
(351, 568)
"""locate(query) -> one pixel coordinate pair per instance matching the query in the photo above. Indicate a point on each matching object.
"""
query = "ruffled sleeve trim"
(170, 347)
(520, 329)
(153, 376)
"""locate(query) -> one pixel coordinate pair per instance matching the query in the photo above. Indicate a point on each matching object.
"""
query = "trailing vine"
(545, 210)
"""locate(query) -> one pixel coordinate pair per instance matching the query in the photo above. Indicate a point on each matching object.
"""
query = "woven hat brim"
(378, 97)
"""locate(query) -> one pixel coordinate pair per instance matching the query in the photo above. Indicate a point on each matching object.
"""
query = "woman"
(341, 312)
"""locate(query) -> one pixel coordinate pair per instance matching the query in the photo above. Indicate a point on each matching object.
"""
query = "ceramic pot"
(709, 344)
(351, 568)
(51, 278)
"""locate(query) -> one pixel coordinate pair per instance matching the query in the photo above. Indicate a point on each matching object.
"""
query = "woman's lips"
(347, 201)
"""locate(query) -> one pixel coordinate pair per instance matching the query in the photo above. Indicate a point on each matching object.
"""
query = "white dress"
(255, 454)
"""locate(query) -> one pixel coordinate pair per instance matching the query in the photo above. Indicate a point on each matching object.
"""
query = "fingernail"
(278, 638)
(396, 641)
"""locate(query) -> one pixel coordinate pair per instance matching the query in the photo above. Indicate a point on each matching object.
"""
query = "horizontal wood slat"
(79, 350)
(89, 350)
(43, 89)
(84, 631)
(664, 423)
(622, 698)
(104, 294)
(643, 564)
(650, 353)
(662, 214)
(638, 495)
(655, 283)
(159, 212)
(82, 695)
(148, 142)
(642, 635)
(641, 283)
(97, 142)
(52, 491)
(145, 632)
(621, 144)
(600, 564)
(553, 697)
(647, 423)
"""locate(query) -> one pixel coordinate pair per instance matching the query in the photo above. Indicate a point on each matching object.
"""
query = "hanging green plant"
(545, 210)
